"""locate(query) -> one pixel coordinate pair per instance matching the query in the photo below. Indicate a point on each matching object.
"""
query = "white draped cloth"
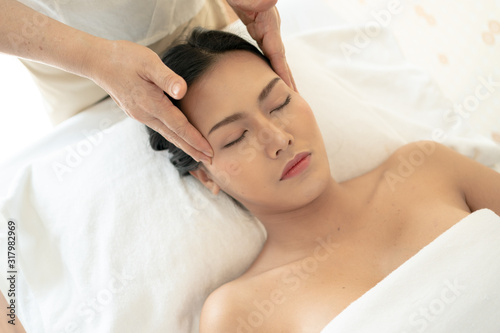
(143, 22)
(451, 285)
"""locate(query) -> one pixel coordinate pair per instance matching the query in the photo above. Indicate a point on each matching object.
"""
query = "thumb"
(252, 5)
(167, 80)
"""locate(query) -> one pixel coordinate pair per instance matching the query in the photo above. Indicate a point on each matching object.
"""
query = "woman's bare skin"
(383, 225)
(259, 127)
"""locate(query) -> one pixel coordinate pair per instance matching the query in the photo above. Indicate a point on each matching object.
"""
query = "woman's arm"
(215, 316)
(480, 185)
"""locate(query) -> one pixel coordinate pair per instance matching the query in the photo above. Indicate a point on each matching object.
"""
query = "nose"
(276, 140)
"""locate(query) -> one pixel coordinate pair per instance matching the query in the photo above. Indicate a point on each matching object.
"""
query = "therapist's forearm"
(25, 33)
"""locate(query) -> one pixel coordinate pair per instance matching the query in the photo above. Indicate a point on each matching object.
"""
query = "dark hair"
(191, 60)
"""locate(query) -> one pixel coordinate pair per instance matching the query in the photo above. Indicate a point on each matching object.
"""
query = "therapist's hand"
(135, 77)
(263, 23)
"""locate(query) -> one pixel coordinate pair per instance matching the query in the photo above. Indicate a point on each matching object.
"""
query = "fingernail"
(176, 89)
(207, 160)
(208, 153)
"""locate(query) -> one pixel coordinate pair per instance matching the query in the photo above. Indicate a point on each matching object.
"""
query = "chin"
(315, 187)
(306, 191)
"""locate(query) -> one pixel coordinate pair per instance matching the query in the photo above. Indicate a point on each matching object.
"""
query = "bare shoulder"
(436, 166)
(421, 158)
(223, 307)
(418, 152)
(427, 154)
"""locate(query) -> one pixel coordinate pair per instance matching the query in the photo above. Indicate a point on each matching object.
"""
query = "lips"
(298, 164)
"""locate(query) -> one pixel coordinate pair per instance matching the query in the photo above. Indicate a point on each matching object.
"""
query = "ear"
(203, 176)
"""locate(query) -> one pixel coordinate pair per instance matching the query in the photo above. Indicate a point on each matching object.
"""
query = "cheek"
(233, 168)
(304, 121)
(228, 172)
(300, 111)
(306, 111)
(238, 177)
(240, 163)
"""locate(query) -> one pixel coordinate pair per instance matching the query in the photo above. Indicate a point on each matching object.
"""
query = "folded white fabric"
(118, 242)
(451, 285)
(110, 239)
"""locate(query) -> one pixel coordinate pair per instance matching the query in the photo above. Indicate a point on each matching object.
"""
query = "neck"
(301, 229)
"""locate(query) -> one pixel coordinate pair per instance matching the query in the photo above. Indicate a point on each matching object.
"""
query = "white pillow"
(111, 239)
(458, 44)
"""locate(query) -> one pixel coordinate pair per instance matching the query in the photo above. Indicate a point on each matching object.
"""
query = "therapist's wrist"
(92, 55)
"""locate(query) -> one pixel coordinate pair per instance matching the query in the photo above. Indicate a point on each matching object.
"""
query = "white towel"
(451, 285)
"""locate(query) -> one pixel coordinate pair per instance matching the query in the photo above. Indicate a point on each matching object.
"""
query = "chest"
(305, 295)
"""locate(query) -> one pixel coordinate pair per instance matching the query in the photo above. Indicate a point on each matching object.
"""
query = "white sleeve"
(143, 22)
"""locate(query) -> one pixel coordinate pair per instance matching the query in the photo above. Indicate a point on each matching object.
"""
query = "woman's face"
(256, 126)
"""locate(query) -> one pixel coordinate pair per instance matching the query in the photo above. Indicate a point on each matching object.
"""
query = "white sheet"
(451, 285)
(457, 43)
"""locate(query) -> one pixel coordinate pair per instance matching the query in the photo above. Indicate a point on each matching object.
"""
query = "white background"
(22, 116)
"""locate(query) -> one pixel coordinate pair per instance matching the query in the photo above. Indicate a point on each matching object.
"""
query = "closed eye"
(237, 140)
(287, 101)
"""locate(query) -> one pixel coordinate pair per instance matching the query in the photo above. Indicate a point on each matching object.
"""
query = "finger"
(177, 122)
(281, 68)
(252, 5)
(292, 80)
(266, 31)
(294, 86)
(179, 128)
(274, 49)
(172, 137)
(167, 79)
(247, 17)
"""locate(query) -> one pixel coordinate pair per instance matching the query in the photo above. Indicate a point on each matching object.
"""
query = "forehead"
(231, 84)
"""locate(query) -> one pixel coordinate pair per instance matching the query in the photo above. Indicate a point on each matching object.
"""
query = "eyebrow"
(267, 89)
(239, 115)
